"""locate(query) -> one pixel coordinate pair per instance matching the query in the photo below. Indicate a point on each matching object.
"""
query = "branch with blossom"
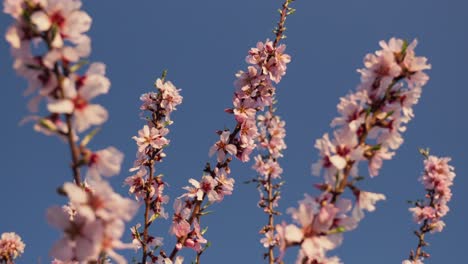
(93, 221)
(428, 212)
(369, 129)
(271, 139)
(151, 141)
(254, 92)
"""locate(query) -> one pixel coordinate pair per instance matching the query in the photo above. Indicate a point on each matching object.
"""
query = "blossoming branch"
(93, 221)
(428, 212)
(369, 129)
(145, 185)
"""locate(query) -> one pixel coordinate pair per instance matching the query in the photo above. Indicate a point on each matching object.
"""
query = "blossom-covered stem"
(437, 179)
(74, 149)
(370, 122)
(369, 129)
(181, 241)
(147, 210)
(271, 140)
(254, 92)
(151, 142)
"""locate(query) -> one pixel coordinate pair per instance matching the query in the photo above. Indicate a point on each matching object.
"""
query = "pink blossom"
(82, 237)
(71, 21)
(136, 183)
(247, 82)
(351, 109)
(269, 239)
(180, 226)
(244, 109)
(11, 247)
(366, 201)
(223, 146)
(170, 95)
(95, 226)
(105, 162)
(151, 137)
(77, 100)
(272, 60)
(195, 238)
(376, 161)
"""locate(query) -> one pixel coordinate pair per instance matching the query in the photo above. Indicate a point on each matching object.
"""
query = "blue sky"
(203, 44)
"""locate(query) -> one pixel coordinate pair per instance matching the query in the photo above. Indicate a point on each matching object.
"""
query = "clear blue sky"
(203, 44)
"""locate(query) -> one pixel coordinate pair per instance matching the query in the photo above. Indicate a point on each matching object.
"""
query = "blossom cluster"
(271, 141)
(92, 223)
(254, 92)
(49, 45)
(437, 180)
(11, 247)
(368, 129)
(60, 26)
(151, 141)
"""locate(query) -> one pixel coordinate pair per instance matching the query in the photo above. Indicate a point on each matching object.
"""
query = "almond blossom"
(437, 180)
(151, 137)
(147, 187)
(94, 224)
(105, 162)
(11, 247)
(369, 128)
(222, 147)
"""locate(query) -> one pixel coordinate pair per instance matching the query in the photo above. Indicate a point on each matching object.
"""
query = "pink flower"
(205, 187)
(180, 226)
(105, 162)
(351, 109)
(137, 184)
(170, 95)
(82, 238)
(11, 247)
(366, 201)
(269, 240)
(271, 60)
(267, 168)
(195, 238)
(77, 99)
(95, 226)
(244, 109)
(222, 147)
(247, 82)
(151, 137)
(376, 161)
(66, 14)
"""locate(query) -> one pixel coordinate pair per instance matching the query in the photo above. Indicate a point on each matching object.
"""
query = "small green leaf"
(90, 136)
(204, 230)
(405, 46)
(47, 124)
(154, 217)
(78, 65)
